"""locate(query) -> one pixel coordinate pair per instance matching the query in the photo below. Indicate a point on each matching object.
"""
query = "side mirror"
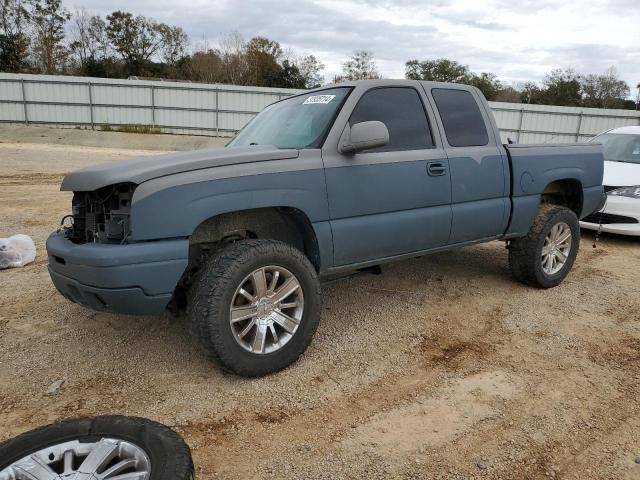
(365, 135)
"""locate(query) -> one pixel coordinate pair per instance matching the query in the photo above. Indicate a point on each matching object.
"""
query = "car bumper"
(136, 278)
(620, 215)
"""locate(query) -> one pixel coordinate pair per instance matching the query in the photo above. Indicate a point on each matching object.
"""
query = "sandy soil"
(441, 367)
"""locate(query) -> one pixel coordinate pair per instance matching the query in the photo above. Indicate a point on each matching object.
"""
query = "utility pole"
(638, 97)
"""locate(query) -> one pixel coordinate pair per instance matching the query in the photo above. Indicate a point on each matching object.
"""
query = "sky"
(518, 40)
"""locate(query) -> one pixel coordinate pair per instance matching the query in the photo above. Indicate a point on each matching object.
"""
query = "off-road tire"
(525, 253)
(169, 455)
(210, 297)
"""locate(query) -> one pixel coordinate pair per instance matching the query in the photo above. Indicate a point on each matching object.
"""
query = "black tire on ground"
(210, 298)
(169, 455)
(525, 253)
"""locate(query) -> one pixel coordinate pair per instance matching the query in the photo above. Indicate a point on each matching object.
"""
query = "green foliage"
(440, 70)
(14, 43)
(262, 57)
(135, 39)
(444, 70)
(37, 36)
(605, 90)
(559, 87)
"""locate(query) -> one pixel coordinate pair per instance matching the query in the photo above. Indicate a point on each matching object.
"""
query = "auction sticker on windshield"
(318, 99)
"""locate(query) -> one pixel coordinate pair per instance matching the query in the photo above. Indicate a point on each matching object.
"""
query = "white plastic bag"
(16, 251)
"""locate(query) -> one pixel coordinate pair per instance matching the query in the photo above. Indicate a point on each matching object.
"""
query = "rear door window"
(463, 123)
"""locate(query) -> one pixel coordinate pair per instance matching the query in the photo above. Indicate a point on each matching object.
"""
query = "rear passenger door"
(391, 200)
(479, 170)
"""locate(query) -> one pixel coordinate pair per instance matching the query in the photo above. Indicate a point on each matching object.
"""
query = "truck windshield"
(298, 122)
(620, 147)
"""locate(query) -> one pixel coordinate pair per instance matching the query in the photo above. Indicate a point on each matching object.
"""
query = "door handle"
(436, 169)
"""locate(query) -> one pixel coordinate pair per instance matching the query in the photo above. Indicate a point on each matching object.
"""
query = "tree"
(48, 19)
(487, 83)
(174, 43)
(264, 45)
(136, 39)
(360, 66)
(310, 69)
(605, 90)
(232, 53)
(83, 44)
(530, 93)
(508, 94)
(440, 70)
(14, 44)
(203, 66)
(289, 76)
(445, 70)
(262, 59)
(90, 48)
(562, 87)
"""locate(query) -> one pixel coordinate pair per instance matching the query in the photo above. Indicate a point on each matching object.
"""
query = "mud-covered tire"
(525, 253)
(212, 294)
(168, 454)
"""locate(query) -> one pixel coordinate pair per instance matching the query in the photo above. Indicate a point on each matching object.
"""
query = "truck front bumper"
(137, 278)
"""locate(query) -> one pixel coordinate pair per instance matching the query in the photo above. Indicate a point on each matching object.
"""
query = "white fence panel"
(183, 108)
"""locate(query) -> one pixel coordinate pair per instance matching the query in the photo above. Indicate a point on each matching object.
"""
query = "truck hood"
(138, 170)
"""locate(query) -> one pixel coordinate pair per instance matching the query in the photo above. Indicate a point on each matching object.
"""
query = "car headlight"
(632, 192)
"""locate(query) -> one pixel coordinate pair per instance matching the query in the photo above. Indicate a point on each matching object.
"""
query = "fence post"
(153, 105)
(91, 105)
(217, 114)
(579, 126)
(520, 125)
(24, 102)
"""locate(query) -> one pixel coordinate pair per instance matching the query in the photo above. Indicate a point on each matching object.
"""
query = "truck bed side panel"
(533, 167)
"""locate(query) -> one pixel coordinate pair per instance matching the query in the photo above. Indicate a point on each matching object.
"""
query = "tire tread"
(205, 300)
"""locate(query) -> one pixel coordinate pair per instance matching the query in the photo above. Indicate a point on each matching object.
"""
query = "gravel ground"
(441, 367)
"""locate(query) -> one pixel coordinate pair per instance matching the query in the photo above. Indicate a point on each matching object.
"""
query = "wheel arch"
(287, 224)
(567, 192)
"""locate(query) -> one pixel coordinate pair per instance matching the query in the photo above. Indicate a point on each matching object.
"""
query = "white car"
(621, 213)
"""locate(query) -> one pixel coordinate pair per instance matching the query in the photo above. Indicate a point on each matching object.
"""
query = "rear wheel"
(255, 306)
(544, 257)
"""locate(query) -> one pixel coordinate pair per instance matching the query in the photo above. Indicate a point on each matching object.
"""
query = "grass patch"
(148, 129)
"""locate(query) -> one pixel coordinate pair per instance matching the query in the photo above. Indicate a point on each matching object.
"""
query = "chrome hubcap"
(266, 309)
(105, 459)
(556, 248)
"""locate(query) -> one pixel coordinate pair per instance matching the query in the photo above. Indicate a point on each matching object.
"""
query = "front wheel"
(255, 306)
(544, 256)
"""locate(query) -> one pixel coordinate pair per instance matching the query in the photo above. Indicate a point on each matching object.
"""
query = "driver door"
(395, 199)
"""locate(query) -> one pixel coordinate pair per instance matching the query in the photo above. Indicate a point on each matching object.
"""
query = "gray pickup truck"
(336, 179)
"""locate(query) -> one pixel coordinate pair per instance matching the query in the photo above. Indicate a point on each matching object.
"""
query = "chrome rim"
(105, 459)
(556, 248)
(266, 309)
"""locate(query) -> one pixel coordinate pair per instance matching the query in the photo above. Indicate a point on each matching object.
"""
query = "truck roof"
(385, 82)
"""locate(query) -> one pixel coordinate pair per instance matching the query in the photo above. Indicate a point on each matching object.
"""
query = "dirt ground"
(441, 367)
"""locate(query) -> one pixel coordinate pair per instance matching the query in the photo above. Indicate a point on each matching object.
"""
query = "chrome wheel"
(266, 309)
(556, 248)
(105, 459)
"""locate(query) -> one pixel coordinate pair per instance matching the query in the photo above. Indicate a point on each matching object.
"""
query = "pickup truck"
(335, 179)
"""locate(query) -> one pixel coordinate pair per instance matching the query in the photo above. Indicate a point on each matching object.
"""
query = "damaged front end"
(101, 216)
